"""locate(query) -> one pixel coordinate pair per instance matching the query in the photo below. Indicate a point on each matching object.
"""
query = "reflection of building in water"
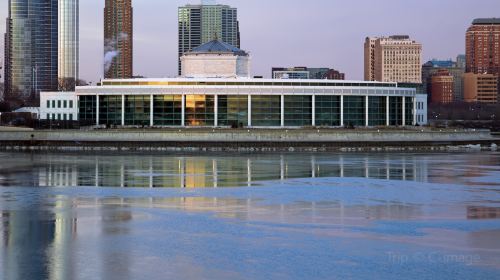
(190, 172)
(38, 244)
(474, 212)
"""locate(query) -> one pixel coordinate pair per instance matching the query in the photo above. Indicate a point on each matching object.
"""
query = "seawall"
(254, 140)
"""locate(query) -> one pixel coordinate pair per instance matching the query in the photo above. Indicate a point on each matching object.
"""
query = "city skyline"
(326, 40)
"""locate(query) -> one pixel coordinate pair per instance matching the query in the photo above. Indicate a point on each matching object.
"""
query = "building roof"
(217, 46)
(440, 63)
(486, 21)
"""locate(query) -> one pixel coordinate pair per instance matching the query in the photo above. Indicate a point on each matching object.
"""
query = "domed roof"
(217, 46)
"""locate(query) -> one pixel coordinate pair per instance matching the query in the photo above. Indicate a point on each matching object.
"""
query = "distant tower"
(69, 56)
(482, 46)
(393, 59)
(118, 39)
(200, 24)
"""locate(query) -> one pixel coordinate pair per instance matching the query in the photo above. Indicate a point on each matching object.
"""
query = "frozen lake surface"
(291, 216)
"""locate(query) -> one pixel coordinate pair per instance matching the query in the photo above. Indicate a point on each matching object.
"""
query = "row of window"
(233, 110)
(60, 104)
(60, 117)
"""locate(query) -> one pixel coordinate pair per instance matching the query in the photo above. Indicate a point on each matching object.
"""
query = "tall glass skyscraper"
(31, 49)
(200, 24)
(69, 56)
(118, 39)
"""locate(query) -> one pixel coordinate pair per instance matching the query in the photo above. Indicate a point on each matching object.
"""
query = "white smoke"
(111, 51)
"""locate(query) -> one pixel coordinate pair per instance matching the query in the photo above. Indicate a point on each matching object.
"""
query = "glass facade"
(327, 110)
(167, 110)
(266, 110)
(87, 109)
(377, 113)
(110, 110)
(232, 110)
(200, 110)
(395, 110)
(68, 58)
(137, 109)
(298, 110)
(354, 111)
(31, 48)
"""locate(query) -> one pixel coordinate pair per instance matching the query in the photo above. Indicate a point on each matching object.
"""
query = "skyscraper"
(200, 24)
(118, 39)
(393, 59)
(68, 51)
(482, 46)
(31, 49)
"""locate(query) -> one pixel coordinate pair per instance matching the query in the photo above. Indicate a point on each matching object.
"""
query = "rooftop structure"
(216, 59)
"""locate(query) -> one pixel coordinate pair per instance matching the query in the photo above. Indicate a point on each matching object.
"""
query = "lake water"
(235, 216)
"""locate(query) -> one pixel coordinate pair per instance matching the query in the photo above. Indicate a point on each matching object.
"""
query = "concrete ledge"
(248, 136)
(205, 140)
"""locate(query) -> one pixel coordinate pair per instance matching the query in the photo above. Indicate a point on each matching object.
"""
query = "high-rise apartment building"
(306, 73)
(31, 49)
(118, 39)
(442, 87)
(483, 46)
(200, 24)
(69, 49)
(393, 59)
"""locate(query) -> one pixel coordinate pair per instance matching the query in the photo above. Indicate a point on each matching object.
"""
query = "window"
(110, 109)
(70, 117)
(48, 103)
(327, 110)
(233, 110)
(354, 110)
(58, 117)
(65, 117)
(266, 110)
(200, 110)
(65, 104)
(71, 103)
(298, 110)
(377, 113)
(58, 103)
(137, 109)
(53, 103)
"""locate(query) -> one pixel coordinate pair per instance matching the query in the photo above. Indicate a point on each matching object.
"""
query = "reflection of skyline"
(207, 172)
(38, 243)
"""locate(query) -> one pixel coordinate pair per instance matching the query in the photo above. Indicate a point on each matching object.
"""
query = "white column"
(366, 111)
(387, 111)
(404, 111)
(282, 110)
(97, 109)
(183, 111)
(216, 111)
(151, 111)
(249, 111)
(313, 110)
(341, 110)
(123, 110)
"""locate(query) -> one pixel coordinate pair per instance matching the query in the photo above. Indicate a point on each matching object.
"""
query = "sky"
(313, 33)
